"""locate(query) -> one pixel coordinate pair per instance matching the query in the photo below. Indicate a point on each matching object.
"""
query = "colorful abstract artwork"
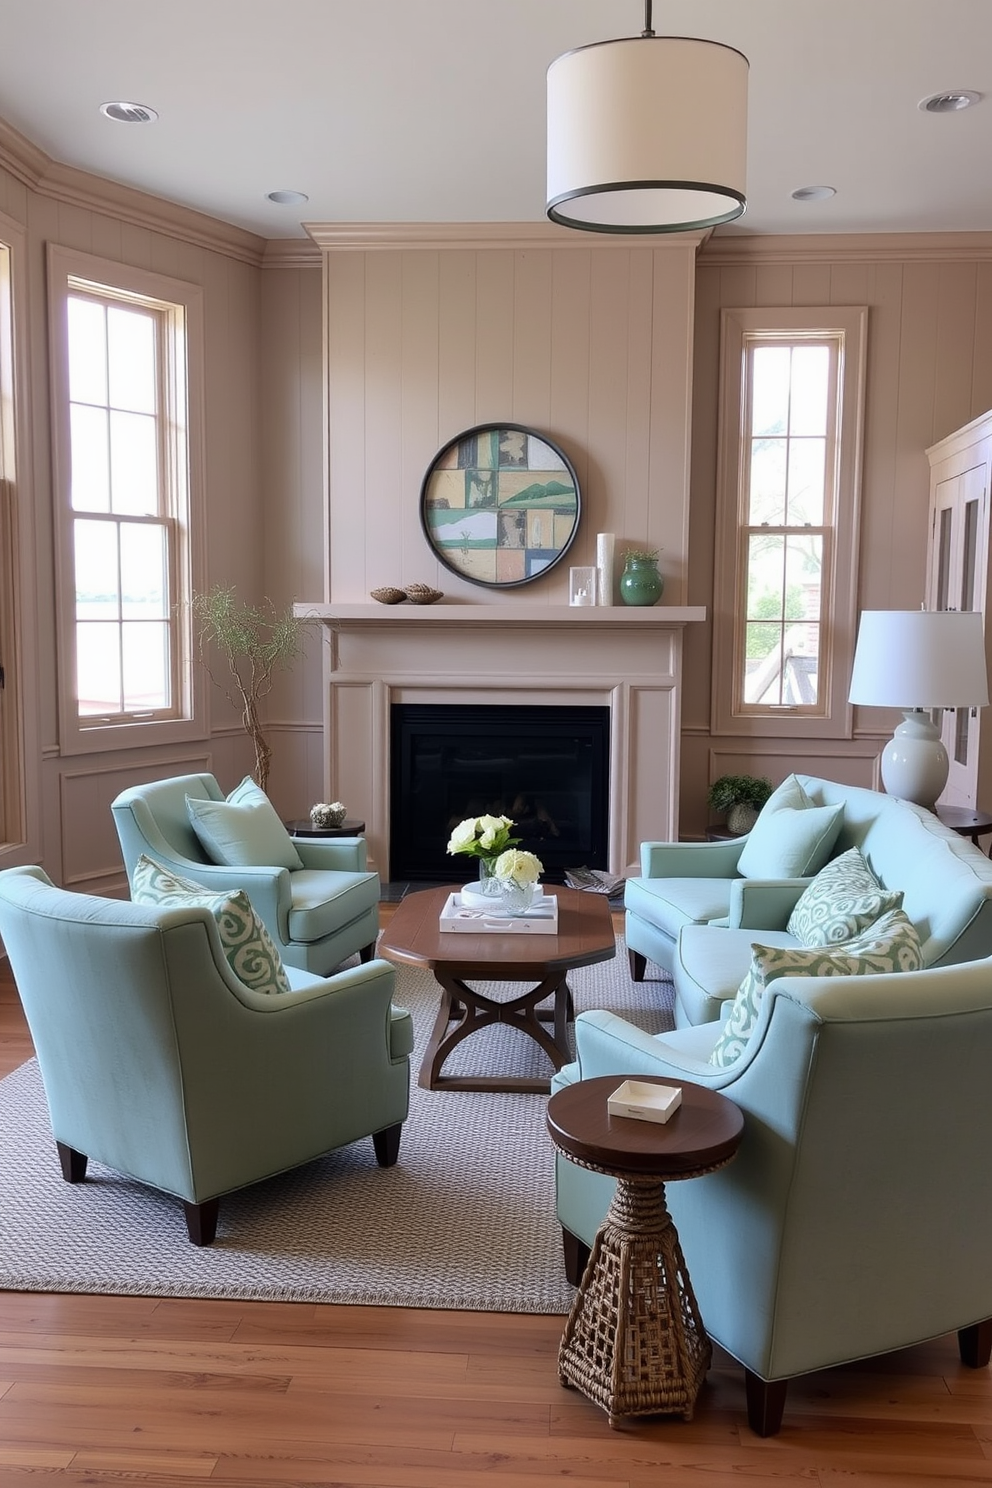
(500, 504)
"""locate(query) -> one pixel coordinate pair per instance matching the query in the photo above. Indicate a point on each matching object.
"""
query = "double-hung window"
(126, 473)
(787, 540)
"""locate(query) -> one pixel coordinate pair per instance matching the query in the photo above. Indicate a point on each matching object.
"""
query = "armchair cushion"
(891, 944)
(671, 903)
(843, 900)
(323, 899)
(248, 946)
(791, 837)
(244, 831)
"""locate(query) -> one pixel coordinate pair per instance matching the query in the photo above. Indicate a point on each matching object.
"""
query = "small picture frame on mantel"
(582, 586)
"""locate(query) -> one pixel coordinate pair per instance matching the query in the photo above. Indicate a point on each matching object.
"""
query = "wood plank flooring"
(161, 1392)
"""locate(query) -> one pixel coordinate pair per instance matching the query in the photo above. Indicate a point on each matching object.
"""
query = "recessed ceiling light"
(813, 193)
(949, 103)
(287, 198)
(129, 113)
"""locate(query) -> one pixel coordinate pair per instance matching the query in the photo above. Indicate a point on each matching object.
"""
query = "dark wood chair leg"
(765, 1403)
(638, 965)
(201, 1221)
(975, 1344)
(576, 1256)
(387, 1144)
(73, 1163)
(367, 952)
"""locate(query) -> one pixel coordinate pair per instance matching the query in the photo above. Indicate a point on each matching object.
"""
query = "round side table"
(634, 1342)
(304, 827)
(966, 821)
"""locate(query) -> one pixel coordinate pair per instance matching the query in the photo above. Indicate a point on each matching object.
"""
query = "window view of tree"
(787, 506)
(122, 527)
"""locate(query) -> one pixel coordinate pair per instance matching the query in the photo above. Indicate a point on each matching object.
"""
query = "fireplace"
(545, 767)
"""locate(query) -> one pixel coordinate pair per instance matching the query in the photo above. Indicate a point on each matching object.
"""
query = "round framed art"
(500, 505)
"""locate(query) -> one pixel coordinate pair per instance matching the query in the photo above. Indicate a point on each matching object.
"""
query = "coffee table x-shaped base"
(470, 1010)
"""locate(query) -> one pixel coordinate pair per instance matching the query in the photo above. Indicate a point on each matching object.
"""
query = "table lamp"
(917, 660)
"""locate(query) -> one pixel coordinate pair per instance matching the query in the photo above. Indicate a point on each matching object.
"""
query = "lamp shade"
(920, 659)
(647, 134)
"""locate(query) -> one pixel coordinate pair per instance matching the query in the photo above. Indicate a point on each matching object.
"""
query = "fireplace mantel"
(626, 658)
(502, 616)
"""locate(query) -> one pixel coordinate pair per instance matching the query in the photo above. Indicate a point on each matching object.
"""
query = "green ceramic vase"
(640, 582)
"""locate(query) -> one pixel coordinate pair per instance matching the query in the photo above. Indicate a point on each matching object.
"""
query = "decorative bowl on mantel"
(388, 595)
(422, 594)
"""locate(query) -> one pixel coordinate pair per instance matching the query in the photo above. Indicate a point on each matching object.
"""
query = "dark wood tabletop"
(585, 936)
(703, 1133)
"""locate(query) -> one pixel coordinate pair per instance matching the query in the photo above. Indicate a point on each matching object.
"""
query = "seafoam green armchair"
(319, 904)
(160, 1063)
(855, 1218)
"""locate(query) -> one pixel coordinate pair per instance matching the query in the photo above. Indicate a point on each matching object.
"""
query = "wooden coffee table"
(413, 938)
(634, 1341)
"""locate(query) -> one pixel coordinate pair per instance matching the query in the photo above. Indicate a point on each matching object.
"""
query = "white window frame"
(833, 717)
(13, 552)
(184, 465)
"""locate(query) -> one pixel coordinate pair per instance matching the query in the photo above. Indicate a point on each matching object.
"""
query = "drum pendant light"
(647, 134)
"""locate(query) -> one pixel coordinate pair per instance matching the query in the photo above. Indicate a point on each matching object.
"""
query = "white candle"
(604, 568)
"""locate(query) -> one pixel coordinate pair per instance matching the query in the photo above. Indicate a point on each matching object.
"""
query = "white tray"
(540, 919)
(644, 1102)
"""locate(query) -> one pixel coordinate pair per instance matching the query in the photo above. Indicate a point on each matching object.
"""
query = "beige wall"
(587, 343)
(929, 371)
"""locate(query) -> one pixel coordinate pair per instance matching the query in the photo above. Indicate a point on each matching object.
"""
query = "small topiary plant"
(739, 790)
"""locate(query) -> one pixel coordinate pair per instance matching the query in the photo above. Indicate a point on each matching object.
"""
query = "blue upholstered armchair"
(159, 1062)
(318, 913)
(856, 1216)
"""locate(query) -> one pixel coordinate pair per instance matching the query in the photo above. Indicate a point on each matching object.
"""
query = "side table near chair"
(634, 1341)
(304, 827)
(967, 821)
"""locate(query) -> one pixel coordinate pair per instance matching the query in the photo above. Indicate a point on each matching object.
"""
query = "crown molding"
(368, 236)
(292, 253)
(735, 250)
(64, 183)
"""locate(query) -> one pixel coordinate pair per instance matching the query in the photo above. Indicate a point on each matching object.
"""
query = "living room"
(338, 362)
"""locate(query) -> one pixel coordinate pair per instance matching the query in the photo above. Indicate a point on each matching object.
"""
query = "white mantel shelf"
(502, 616)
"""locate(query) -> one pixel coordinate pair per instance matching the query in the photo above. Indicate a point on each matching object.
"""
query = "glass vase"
(517, 898)
(489, 884)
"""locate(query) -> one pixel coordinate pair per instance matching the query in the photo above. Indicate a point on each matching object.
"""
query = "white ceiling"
(434, 110)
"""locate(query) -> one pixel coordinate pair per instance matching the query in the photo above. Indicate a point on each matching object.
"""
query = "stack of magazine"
(595, 881)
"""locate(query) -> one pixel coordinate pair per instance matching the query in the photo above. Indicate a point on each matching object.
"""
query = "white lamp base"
(914, 762)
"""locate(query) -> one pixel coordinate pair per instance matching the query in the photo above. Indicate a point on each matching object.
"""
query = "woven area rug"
(465, 1220)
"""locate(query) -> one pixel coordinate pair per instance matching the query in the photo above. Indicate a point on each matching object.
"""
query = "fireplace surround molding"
(628, 659)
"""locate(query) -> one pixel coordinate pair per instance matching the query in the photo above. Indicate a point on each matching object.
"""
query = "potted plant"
(739, 798)
(640, 582)
(255, 641)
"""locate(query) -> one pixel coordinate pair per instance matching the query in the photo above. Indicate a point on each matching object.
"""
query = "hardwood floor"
(106, 1390)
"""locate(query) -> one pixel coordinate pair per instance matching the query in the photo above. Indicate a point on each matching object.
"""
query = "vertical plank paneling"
(570, 349)
(532, 339)
(914, 431)
(347, 440)
(774, 283)
(419, 389)
(955, 350)
(374, 518)
(667, 525)
(456, 344)
(633, 481)
(879, 503)
(494, 335)
(608, 395)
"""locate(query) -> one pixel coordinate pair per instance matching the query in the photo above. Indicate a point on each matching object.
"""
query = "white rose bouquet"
(482, 837)
(520, 868)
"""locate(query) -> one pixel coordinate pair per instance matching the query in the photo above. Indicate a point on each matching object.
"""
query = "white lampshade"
(916, 660)
(647, 134)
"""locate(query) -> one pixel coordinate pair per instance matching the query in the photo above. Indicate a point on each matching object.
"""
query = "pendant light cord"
(648, 29)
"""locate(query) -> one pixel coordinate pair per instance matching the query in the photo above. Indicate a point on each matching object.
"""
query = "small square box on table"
(644, 1102)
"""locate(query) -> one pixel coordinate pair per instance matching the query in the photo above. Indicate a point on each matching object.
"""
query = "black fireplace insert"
(546, 767)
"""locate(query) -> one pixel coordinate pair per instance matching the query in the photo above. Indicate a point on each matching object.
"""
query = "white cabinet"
(958, 558)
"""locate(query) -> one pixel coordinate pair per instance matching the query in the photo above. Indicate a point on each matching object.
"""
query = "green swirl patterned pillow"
(249, 948)
(891, 944)
(844, 899)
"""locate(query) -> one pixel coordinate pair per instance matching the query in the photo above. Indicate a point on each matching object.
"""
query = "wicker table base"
(634, 1342)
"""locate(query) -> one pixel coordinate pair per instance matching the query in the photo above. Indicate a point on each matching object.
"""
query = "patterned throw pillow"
(244, 831)
(843, 900)
(249, 948)
(891, 944)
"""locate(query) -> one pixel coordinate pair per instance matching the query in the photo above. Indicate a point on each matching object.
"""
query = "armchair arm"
(342, 854)
(606, 1044)
(691, 859)
(764, 903)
